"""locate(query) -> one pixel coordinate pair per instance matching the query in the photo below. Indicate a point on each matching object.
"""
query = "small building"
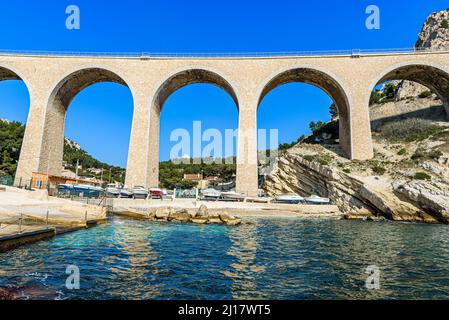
(41, 181)
(194, 177)
(203, 183)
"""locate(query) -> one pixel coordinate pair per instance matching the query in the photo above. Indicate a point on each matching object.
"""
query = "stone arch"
(7, 73)
(327, 82)
(58, 102)
(430, 75)
(188, 76)
(10, 73)
(176, 80)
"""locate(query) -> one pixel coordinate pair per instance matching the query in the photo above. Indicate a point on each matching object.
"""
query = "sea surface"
(267, 258)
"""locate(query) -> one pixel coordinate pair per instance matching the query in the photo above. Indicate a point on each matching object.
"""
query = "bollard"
(85, 217)
(46, 220)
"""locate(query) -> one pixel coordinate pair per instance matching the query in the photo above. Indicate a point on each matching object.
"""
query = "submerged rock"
(202, 213)
(163, 213)
(234, 222)
(6, 294)
(214, 219)
(169, 214)
(199, 220)
(229, 220)
(181, 215)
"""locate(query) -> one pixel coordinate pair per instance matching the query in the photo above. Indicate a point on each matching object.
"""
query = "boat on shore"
(210, 194)
(314, 199)
(125, 192)
(233, 196)
(156, 193)
(140, 192)
(291, 198)
(112, 190)
(80, 190)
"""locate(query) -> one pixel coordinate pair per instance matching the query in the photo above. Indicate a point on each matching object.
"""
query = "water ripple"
(266, 259)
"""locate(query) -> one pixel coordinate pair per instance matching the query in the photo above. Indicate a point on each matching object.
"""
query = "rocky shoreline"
(170, 214)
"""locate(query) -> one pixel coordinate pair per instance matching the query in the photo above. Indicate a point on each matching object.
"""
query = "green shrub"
(425, 94)
(346, 170)
(308, 157)
(322, 159)
(315, 126)
(422, 176)
(378, 169)
(333, 110)
(445, 24)
(408, 130)
(402, 152)
(422, 154)
(375, 98)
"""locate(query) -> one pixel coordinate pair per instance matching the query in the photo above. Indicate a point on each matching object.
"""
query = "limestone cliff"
(435, 31)
(434, 35)
(407, 180)
(386, 186)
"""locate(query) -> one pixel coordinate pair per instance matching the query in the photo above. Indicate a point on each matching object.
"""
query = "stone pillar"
(137, 166)
(33, 141)
(52, 149)
(360, 133)
(153, 148)
(247, 170)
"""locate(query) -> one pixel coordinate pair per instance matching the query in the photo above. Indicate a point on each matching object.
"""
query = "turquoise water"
(265, 259)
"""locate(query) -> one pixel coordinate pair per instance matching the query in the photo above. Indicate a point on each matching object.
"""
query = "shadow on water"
(266, 258)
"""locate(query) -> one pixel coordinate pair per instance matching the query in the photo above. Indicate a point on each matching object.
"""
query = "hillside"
(408, 178)
(171, 174)
(11, 136)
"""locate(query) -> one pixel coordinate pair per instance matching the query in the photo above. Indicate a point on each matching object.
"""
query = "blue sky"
(100, 116)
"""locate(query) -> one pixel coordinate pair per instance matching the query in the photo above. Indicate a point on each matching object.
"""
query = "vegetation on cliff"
(11, 136)
(171, 173)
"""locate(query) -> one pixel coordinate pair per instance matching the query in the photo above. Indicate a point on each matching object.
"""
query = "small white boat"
(289, 198)
(314, 199)
(211, 194)
(140, 192)
(232, 195)
(112, 190)
(125, 192)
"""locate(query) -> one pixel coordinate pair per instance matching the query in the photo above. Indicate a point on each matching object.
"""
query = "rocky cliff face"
(435, 32)
(402, 182)
(433, 35)
(357, 187)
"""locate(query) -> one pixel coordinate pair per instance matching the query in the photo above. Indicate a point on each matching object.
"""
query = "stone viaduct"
(54, 80)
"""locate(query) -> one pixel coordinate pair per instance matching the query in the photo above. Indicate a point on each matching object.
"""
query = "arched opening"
(408, 112)
(14, 108)
(332, 93)
(99, 123)
(303, 94)
(330, 86)
(200, 106)
(413, 90)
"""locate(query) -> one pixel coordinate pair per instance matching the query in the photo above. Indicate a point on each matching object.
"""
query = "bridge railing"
(143, 55)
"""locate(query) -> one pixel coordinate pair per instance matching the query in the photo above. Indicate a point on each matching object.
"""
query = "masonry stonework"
(53, 81)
